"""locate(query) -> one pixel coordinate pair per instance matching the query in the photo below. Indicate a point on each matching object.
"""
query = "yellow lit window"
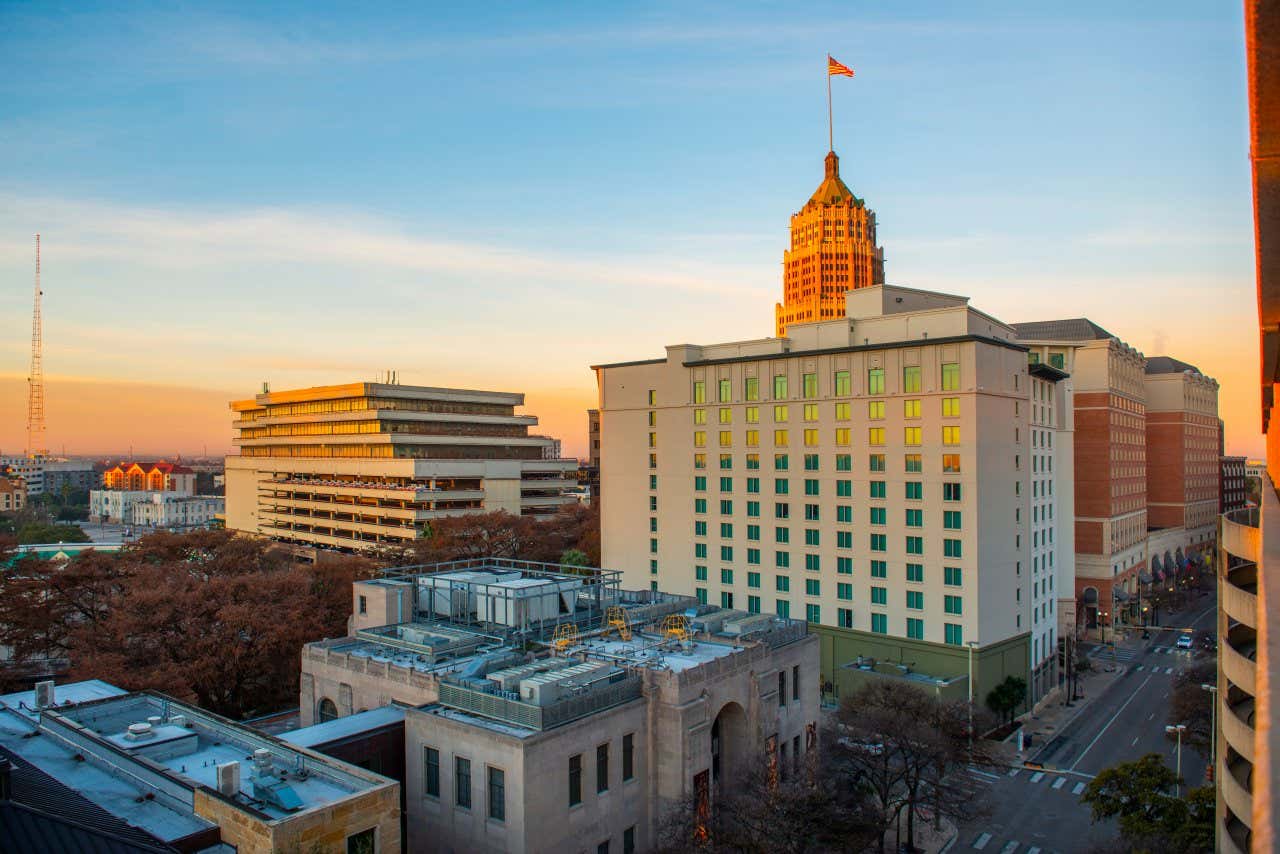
(726, 415)
(951, 376)
(699, 438)
(911, 379)
(699, 416)
(699, 392)
(753, 415)
(875, 435)
(753, 438)
(653, 419)
(951, 463)
(911, 409)
(911, 435)
(699, 461)
(875, 409)
(951, 435)
(780, 438)
(951, 407)
(842, 436)
(779, 414)
(810, 438)
(811, 412)
(842, 412)
(653, 440)
(726, 438)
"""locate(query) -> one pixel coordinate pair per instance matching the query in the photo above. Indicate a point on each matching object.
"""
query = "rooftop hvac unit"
(278, 793)
(44, 694)
(262, 760)
(748, 624)
(137, 732)
(229, 779)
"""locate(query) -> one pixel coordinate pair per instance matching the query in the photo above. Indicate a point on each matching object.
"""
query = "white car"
(1184, 642)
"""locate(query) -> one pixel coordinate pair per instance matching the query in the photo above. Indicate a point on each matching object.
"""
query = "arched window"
(328, 711)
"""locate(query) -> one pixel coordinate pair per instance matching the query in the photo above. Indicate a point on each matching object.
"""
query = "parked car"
(1184, 642)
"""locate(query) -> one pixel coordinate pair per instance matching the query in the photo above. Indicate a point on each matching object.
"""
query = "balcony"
(1238, 592)
(1236, 784)
(1236, 662)
(1237, 726)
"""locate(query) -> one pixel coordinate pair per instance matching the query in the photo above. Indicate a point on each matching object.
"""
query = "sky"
(502, 195)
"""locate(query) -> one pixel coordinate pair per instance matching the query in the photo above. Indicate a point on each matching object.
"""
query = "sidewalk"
(1044, 724)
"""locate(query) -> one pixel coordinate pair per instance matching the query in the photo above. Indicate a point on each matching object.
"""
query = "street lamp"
(1213, 726)
(972, 646)
(1179, 730)
(1102, 626)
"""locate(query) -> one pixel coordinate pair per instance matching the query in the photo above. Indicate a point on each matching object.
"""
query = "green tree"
(1192, 705)
(574, 557)
(1005, 698)
(36, 533)
(1139, 795)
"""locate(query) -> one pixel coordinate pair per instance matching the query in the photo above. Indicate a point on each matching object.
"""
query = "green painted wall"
(991, 663)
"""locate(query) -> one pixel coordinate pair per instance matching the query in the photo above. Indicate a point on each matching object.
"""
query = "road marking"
(1057, 784)
(1033, 850)
(1010, 847)
(1140, 666)
(1150, 716)
(1168, 671)
(1135, 739)
(1037, 777)
(1109, 723)
(986, 774)
(981, 841)
(1077, 788)
(1013, 772)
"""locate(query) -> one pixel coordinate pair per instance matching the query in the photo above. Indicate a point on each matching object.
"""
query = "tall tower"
(833, 250)
(35, 381)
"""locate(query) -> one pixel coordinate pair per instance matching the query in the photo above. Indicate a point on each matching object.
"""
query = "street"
(1038, 812)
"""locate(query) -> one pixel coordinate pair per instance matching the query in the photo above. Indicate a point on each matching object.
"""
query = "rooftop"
(141, 757)
(340, 728)
(1169, 365)
(1071, 329)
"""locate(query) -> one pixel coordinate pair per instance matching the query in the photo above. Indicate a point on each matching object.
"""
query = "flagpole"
(830, 132)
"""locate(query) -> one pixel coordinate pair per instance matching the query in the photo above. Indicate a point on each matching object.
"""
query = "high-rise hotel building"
(890, 475)
(367, 465)
(833, 250)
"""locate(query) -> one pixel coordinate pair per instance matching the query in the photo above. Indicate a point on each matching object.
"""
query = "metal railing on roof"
(505, 710)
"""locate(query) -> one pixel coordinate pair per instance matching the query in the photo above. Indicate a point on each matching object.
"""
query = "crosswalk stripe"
(1168, 671)
(1034, 849)
(1077, 788)
(1013, 772)
(983, 774)
(1009, 847)
(1140, 666)
(1057, 784)
(981, 841)
(1037, 777)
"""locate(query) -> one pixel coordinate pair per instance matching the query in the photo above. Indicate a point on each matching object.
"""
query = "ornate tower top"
(833, 250)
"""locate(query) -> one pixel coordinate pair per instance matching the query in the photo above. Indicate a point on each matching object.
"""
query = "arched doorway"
(1089, 605)
(729, 743)
(326, 711)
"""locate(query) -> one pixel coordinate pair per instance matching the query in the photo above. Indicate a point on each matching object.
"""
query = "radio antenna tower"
(35, 382)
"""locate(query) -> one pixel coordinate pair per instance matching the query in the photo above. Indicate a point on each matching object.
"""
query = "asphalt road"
(1036, 812)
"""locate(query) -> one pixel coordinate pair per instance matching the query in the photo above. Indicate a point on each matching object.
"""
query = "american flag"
(835, 68)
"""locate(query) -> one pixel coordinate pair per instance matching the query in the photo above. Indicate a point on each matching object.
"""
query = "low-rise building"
(147, 508)
(30, 469)
(191, 780)
(13, 494)
(69, 475)
(159, 476)
(547, 709)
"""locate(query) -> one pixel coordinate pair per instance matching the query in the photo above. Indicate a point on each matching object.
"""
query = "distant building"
(366, 465)
(593, 455)
(551, 450)
(30, 469)
(171, 775)
(548, 710)
(13, 494)
(147, 508)
(1232, 494)
(155, 477)
(71, 475)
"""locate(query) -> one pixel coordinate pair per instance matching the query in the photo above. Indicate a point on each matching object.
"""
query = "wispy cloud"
(184, 238)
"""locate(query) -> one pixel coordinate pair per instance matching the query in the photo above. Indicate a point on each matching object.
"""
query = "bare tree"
(905, 748)
(819, 808)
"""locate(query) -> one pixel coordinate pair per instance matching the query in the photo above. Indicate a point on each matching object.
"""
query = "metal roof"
(1070, 329)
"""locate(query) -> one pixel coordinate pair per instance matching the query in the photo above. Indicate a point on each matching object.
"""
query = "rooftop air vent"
(138, 732)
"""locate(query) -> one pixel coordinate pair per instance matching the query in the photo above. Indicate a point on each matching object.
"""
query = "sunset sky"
(499, 197)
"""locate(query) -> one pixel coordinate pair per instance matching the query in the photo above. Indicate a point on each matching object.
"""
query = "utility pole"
(35, 378)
